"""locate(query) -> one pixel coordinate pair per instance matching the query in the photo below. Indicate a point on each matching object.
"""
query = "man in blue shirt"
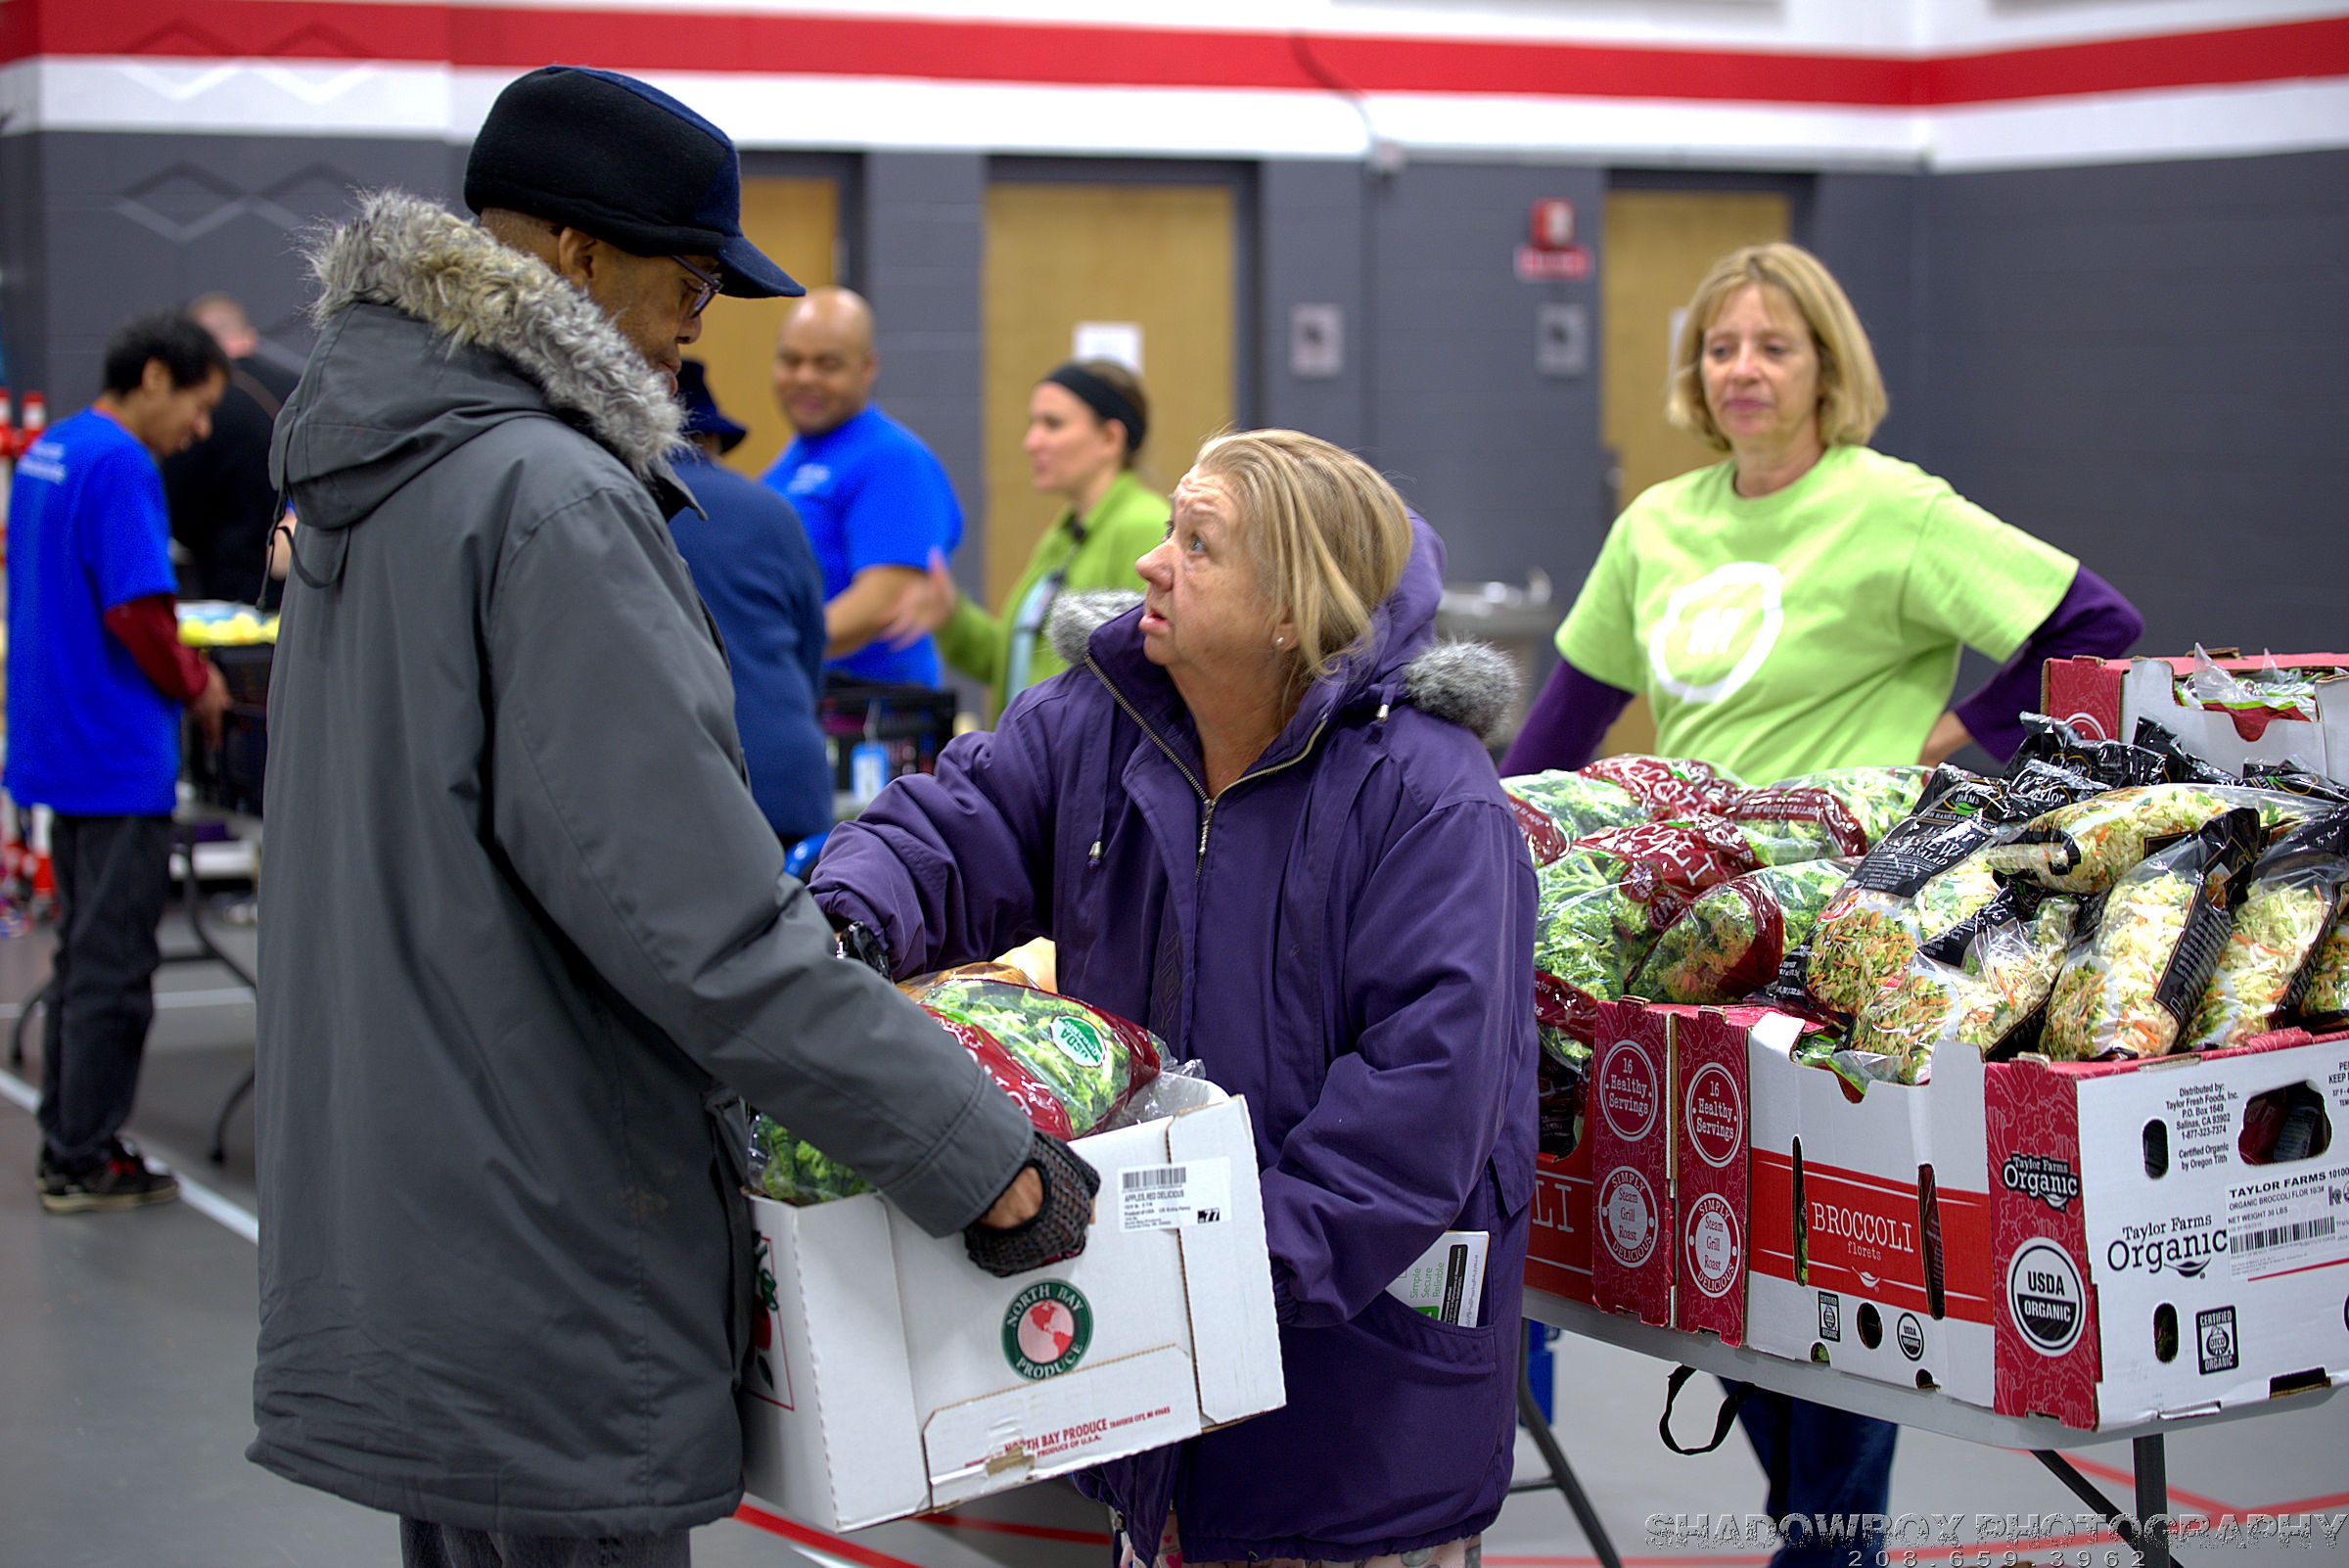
(96, 679)
(751, 561)
(875, 502)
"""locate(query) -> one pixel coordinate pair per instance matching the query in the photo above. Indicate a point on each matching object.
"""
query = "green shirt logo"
(1079, 1042)
(1047, 1329)
(1717, 631)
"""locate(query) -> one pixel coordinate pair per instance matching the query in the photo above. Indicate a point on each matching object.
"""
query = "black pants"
(111, 875)
(423, 1545)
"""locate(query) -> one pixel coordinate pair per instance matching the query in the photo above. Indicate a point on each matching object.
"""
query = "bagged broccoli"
(2085, 847)
(1669, 786)
(1925, 876)
(2265, 970)
(1982, 984)
(2132, 982)
(1816, 816)
(1731, 942)
(1068, 1066)
(1545, 840)
(1575, 804)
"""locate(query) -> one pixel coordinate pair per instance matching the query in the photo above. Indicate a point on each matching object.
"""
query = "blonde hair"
(1328, 535)
(1851, 389)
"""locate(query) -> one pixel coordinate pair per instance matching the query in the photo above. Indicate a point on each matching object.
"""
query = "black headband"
(1105, 401)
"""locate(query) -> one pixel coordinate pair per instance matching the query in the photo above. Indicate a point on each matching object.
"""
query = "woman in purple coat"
(1256, 813)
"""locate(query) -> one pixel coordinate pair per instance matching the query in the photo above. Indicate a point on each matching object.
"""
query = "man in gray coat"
(527, 935)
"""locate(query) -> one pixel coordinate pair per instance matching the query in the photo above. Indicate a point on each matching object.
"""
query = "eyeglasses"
(709, 288)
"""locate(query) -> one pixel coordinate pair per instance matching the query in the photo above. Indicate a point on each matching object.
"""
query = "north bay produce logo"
(1079, 1042)
(1048, 1328)
(1716, 633)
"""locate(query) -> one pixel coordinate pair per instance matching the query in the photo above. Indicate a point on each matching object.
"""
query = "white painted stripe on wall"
(437, 102)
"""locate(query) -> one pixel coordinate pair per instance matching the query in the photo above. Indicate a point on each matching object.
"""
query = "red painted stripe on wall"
(516, 37)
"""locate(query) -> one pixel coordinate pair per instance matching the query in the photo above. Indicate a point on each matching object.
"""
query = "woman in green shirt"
(1086, 424)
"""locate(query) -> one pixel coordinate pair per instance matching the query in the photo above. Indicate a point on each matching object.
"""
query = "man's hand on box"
(1042, 1217)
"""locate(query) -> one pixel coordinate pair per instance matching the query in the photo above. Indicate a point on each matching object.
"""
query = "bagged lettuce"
(2131, 981)
(1068, 1066)
(1819, 815)
(1728, 943)
(1983, 983)
(2266, 968)
(2087, 845)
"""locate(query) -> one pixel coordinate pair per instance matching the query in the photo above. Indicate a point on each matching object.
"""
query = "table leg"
(210, 949)
(46, 996)
(2153, 1465)
(1561, 1474)
(2085, 1490)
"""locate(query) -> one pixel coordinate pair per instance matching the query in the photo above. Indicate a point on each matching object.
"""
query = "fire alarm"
(1552, 226)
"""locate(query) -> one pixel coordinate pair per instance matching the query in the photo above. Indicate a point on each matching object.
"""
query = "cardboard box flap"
(1235, 1340)
(836, 1280)
(1058, 1424)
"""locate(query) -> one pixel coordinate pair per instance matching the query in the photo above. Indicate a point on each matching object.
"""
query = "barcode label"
(2282, 1235)
(1173, 1197)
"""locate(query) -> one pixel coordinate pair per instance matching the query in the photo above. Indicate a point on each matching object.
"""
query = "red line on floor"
(806, 1536)
(2177, 1493)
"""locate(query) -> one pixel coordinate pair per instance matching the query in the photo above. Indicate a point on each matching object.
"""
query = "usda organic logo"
(1079, 1042)
(1047, 1329)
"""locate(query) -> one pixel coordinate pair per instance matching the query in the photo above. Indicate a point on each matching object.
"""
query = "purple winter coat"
(1358, 923)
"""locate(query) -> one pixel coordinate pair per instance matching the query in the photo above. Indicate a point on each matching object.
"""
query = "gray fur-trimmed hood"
(1471, 685)
(513, 338)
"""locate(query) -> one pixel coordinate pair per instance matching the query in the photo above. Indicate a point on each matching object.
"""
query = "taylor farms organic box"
(2171, 1235)
(892, 1377)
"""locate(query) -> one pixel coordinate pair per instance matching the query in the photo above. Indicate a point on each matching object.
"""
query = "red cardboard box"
(1630, 1130)
(1709, 1206)
(1558, 1249)
(2155, 1253)
(2104, 698)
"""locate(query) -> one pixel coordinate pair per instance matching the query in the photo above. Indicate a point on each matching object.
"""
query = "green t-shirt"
(1815, 627)
(1125, 524)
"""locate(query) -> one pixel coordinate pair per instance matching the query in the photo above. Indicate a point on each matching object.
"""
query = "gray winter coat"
(525, 933)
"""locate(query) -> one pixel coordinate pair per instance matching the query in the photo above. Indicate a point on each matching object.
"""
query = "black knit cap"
(607, 154)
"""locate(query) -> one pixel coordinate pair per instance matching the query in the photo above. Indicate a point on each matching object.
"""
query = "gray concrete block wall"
(130, 222)
(1866, 228)
(917, 252)
(2141, 363)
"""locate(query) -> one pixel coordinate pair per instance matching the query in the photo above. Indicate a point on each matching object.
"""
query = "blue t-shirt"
(88, 734)
(751, 560)
(871, 494)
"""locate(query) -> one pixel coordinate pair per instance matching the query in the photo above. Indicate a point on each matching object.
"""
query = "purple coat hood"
(1356, 920)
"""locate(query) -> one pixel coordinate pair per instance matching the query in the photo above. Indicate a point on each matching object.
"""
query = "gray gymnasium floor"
(126, 1360)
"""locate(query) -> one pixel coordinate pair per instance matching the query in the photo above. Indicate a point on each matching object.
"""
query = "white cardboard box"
(894, 1377)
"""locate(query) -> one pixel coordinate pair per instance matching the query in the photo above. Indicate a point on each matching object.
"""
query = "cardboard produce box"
(892, 1377)
(1872, 1221)
(1557, 1247)
(2156, 1253)
(2104, 698)
(1629, 1128)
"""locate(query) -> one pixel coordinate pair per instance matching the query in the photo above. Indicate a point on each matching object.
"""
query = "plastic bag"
(1545, 840)
(2274, 689)
(1575, 805)
(2132, 982)
(1982, 985)
(2327, 999)
(1669, 786)
(2180, 765)
(2115, 765)
(2089, 846)
(1730, 943)
(1818, 815)
(1069, 1067)
(2265, 970)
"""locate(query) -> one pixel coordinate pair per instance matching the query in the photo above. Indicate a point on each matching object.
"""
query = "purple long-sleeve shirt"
(1571, 713)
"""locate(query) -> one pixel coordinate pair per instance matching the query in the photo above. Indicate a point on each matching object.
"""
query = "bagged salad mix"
(1069, 1066)
(1728, 943)
(1981, 984)
(2085, 847)
(2134, 979)
(2325, 1001)
(2272, 689)
(2267, 966)
(1924, 877)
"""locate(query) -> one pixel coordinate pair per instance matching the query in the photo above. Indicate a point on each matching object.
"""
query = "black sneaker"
(122, 1180)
